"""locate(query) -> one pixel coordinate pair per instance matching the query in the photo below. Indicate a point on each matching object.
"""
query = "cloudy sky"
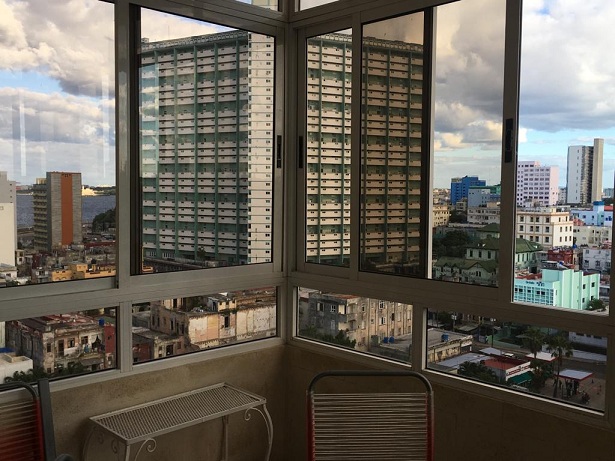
(57, 84)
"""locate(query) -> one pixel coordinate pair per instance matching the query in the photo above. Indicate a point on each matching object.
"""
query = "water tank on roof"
(101, 322)
(391, 340)
(444, 337)
(385, 340)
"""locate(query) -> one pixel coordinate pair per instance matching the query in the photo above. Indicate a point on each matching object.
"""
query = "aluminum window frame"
(427, 294)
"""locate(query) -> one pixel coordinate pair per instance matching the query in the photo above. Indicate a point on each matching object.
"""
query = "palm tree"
(533, 339)
(560, 347)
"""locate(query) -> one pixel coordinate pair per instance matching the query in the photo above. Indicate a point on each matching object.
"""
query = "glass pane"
(307, 4)
(268, 4)
(182, 325)
(375, 326)
(391, 145)
(563, 365)
(564, 213)
(58, 345)
(206, 144)
(57, 156)
(329, 80)
(469, 80)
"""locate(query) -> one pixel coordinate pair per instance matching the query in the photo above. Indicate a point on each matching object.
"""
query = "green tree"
(533, 339)
(446, 319)
(560, 347)
(478, 371)
(340, 338)
(103, 221)
(452, 244)
(596, 305)
(30, 376)
(541, 371)
(458, 217)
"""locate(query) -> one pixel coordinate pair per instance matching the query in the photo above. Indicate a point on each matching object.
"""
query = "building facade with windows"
(597, 259)
(391, 150)
(549, 226)
(460, 187)
(207, 148)
(584, 174)
(592, 235)
(597, 215)
(562, 287)
(57, 210)
(537, 184)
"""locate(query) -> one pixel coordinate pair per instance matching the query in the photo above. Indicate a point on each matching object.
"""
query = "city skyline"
(80, 102)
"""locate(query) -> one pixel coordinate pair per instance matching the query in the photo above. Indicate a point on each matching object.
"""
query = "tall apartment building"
(390, 152)
(460, 187)
(206, 165)
(537, 184)
(549, 226)
(8, 220)
(207, 148)
(584, 177)
(57, 210)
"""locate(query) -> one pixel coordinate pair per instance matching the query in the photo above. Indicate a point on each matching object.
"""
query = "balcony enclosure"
(255, 191)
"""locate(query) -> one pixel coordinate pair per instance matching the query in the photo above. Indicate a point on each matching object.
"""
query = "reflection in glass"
(57, 162)
(329, 81)
(564, 365)
(58, 345)
(182, 325)
(206, 126)
(563, 207)
(375, 326)
(468, 93)
(307, 4)
(391, 145)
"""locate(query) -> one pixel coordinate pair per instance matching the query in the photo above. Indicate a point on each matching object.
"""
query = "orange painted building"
(57, 210)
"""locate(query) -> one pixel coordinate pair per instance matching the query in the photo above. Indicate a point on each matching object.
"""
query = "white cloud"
(52, 117)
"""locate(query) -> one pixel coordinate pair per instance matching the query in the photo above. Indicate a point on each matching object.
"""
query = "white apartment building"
(484, 214)
(537, 184)
(592, 235)
(549, 226)
(390, 152)
(597, 259)
(584, 176)
(441, 215)
(8, 219)
(207, 148)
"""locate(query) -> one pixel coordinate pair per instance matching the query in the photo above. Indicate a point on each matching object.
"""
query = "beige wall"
(468, 426)
(259, 372)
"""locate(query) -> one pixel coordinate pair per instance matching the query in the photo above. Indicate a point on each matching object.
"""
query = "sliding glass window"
(57, 138)
(206, 144)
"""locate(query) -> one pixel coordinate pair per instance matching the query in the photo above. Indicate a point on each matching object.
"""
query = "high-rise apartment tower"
(584, 177)
(57, 210)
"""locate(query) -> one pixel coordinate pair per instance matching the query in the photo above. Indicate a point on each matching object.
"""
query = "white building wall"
(549, 226)
(589, 340)
(8, 234)
(261, 149)
(10, 364)
(596, 259)
(592, 235)
(584, 175)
